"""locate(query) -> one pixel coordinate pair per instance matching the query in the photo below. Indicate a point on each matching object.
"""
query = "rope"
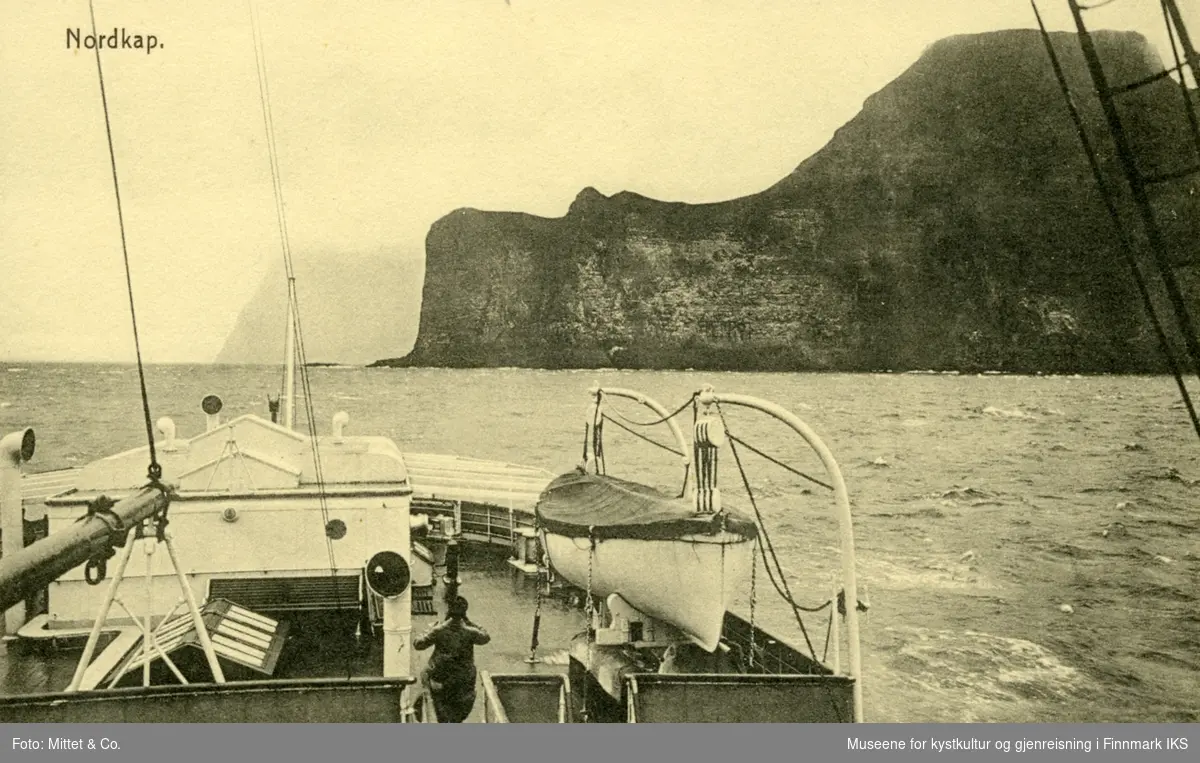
(766, 534)
(828, 633)
(687, 468)
(598, 437)
(634, 423)
(664, 419)
(779, 463)
(154, 470)
(641, 436)
(786, 593)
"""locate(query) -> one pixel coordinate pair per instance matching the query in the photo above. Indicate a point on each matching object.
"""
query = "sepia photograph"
(600, 361)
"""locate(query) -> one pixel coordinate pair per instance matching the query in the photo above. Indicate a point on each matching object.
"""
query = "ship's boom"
(25, 572)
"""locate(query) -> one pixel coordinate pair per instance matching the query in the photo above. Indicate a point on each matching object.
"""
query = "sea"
(1028, 546)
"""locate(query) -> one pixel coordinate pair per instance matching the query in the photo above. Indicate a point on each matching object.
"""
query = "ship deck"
(494, 505)
(502, 601)
(494, 502)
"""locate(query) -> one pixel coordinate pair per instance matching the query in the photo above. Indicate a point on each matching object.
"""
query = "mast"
(289, 384)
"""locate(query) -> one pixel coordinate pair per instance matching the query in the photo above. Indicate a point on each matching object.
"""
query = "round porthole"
(335, 529)
(230, 514)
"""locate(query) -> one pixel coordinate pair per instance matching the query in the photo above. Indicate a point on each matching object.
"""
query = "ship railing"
(483, 522)
(738, 698)
(310, 700)
(770, 653)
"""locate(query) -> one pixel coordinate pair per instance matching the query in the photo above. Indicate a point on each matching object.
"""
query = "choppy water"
(983, 506)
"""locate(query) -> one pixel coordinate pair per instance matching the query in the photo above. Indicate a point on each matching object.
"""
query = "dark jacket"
(453, 643)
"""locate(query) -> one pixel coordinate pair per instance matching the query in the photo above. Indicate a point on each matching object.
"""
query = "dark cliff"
(952, 224)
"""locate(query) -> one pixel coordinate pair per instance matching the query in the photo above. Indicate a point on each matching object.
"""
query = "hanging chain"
(537, 609)
(537, 618)
(588, 607)
(753, 600)
(590, 632)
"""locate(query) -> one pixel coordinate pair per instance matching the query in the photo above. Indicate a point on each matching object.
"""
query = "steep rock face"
(953, 224)
(353, 309)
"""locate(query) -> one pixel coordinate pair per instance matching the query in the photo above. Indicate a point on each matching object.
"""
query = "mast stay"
(1138, 181)
(294, 337)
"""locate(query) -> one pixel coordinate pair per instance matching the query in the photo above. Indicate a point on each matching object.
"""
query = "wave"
(1166, 474)
(975, 496)
(989, 666)
(1022, 411)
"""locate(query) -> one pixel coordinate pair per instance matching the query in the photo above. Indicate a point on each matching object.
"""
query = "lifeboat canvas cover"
(616, 508)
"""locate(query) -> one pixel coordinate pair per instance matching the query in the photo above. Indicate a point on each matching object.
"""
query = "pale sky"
(391, 113)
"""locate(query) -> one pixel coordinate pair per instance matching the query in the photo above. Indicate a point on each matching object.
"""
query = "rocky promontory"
(952, 224)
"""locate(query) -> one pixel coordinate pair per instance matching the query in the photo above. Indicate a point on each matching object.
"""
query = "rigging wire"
(1189, 108)
(641, 436)
(154, 470)
(779, 463)
(1138, 187)
(781, 586)
(287, 319)
(662, 420)
(1124, 244)
(293, 304)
